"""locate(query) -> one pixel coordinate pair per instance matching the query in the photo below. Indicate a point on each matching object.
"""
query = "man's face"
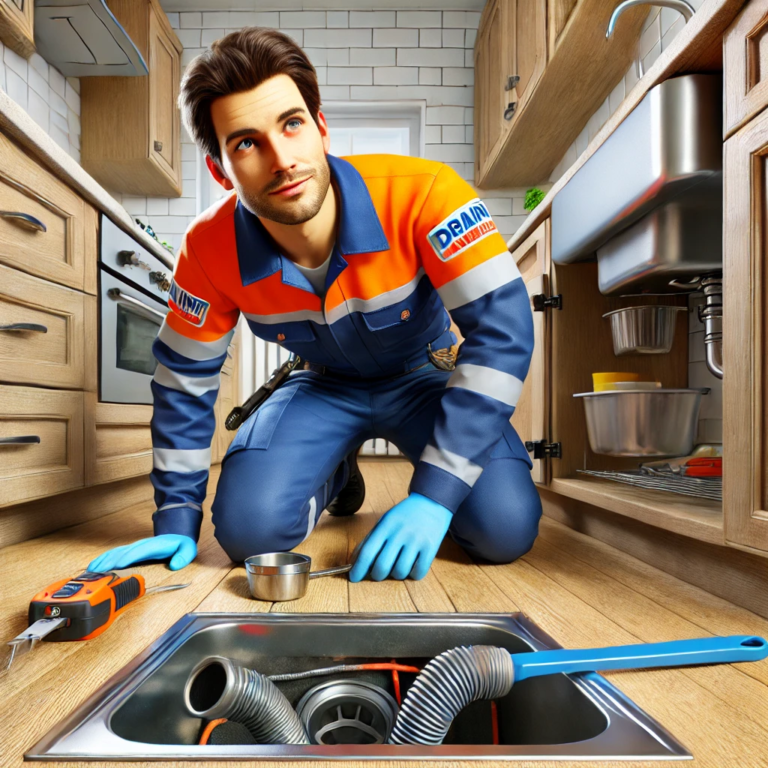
(269, 141)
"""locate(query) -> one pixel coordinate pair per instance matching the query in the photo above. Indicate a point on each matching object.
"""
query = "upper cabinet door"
(490, 78)
(528, 56)
(745, 66)
(745, 337)
(531, 416)
(510, 57)
(17, 26)
(164, 139)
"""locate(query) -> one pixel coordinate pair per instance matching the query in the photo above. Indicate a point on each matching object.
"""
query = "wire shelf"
(700, 487)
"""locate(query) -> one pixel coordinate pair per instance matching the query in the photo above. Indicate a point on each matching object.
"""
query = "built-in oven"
(133, 291)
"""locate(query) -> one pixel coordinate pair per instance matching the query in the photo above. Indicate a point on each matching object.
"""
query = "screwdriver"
(80, 608)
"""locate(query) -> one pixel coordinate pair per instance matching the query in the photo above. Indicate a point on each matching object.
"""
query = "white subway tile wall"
(51, 100)
(369, 56)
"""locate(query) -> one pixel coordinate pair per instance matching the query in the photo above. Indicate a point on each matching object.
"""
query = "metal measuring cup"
(279, 576)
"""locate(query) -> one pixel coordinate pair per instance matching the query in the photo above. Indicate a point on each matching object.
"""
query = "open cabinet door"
(531, 416)
(745, 335)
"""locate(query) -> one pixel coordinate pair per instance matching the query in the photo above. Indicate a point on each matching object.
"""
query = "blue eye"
(242, 144)
(294, 120)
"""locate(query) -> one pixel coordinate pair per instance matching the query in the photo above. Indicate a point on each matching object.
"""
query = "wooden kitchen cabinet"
(42, 221)
(531, 416)
(745, 336)
(41, 332)
(41, 443)
(745, 66)
(131, 131)
(566, 69)
(510, 56)
(17, 22)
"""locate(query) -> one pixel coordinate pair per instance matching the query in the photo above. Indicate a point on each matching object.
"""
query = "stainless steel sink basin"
(139, 714)
(666, 153)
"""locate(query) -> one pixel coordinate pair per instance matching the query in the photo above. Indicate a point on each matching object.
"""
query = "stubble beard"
(303, 207)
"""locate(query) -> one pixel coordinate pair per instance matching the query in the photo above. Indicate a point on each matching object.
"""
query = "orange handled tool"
(81, 608)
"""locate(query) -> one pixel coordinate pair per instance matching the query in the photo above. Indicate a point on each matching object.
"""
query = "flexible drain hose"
(445, 686)
(219, 688)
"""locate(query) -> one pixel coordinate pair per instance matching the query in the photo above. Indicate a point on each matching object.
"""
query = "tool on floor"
(468, 673)
(81, 608)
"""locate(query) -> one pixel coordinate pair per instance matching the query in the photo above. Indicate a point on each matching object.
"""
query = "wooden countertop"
(582, 592)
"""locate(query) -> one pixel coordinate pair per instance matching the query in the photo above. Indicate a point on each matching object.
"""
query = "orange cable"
(396, 683)
(208, 728)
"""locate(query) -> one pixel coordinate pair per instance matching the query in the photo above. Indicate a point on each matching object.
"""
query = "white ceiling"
(331, 5)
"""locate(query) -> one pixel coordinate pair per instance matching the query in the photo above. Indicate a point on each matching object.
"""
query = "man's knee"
(250, 521)
(502, 521)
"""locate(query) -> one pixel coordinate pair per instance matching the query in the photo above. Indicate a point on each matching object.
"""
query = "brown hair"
(239, 62)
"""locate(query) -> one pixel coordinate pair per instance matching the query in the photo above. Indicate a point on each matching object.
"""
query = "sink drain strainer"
(347, 712)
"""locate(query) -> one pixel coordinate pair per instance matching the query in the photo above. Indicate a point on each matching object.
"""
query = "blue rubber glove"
(404, 542)
(182, 550)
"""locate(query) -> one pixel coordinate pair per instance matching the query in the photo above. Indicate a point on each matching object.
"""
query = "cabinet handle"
(510, 110)
(24, 220)
(512, 81)
(121, 298)
(158, 146)
(131, 259)
(20, 440)
(24, 327)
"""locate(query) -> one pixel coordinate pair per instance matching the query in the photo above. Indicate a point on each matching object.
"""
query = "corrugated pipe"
(711, 314)
(219, 688)
(445, 686)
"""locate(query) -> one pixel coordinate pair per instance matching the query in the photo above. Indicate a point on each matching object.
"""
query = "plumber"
(353, 264)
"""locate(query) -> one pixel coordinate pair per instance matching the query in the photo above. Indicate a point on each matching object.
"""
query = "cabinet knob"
(510, 110)
(158, 146)
(161, 280)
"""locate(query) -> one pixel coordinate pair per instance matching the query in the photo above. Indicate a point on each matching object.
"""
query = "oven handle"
(121, 298)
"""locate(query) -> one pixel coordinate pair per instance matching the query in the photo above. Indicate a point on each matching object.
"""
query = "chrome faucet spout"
(685, 9)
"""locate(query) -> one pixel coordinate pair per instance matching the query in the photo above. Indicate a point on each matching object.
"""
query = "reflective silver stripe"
(479, 280)
(487, 381)
(311, 517)
(287, 317)
(191, 348)
(192, 385)
(181, 460)
(190, 504)
(457, 465)
(385, 299)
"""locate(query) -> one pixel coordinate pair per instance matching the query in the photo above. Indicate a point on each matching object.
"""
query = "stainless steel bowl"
(659, 422)
(649, 329)
(278, 576)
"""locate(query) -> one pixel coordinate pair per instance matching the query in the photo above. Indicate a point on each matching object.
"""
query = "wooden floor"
(582, 592)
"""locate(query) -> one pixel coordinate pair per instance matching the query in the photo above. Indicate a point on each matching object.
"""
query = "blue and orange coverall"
(413, 243)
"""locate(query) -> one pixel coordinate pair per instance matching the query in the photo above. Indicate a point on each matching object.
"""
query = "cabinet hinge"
(541, 449)
(512, 81)
(542, 301)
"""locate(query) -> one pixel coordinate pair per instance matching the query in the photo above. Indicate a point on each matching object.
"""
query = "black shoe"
(352, 495)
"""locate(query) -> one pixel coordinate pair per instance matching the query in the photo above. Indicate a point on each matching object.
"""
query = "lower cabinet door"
(118, 442)
(41, 443)
(745, 337)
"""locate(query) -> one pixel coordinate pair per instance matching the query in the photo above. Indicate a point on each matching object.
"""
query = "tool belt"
(444, 359)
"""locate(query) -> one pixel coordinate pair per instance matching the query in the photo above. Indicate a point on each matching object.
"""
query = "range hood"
(82, 38)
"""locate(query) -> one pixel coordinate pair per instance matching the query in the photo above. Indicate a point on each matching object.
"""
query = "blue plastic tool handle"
(703, 650)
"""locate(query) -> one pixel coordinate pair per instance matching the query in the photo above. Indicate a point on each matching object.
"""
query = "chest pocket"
(294, 336)
(390, 326)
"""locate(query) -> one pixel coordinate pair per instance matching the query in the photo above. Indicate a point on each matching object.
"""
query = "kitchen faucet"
(678, 5)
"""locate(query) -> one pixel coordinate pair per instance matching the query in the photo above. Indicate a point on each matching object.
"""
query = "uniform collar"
(359, 231)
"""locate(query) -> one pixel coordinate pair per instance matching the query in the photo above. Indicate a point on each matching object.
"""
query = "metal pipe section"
(219, 688)
(711, 314)
(445, 686)
(684, 8)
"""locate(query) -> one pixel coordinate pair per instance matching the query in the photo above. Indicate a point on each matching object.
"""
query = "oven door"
(130, 321)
